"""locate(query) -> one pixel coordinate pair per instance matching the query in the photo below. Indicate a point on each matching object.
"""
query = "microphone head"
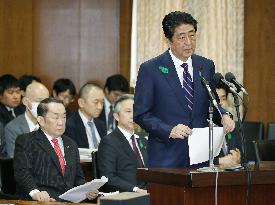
(229, 77)
(217, 77)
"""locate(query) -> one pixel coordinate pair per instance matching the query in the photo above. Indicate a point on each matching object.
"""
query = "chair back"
(265, 150)
(253, 131)
(7, 176)
(94, 165)
(271, 131)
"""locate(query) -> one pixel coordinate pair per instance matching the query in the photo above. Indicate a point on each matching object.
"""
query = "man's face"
(183, 42)
(53, 123)
(91, 105)
(125, 115)
(222, 96)
(66, 97)
(113, 95)
(11, 97)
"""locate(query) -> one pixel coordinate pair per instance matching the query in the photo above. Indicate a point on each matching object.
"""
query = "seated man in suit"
(64, 90)
(121, 152)
(82, 126)
(10, 99)
(26, 122)
(230, 155)
(46, 162)
(115, 86)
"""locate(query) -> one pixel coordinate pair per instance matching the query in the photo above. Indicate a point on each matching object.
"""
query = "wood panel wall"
(76, 39)
(15, 37)
(259, 59)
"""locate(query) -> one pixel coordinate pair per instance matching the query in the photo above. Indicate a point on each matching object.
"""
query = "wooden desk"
(186, 187)
(23, 202)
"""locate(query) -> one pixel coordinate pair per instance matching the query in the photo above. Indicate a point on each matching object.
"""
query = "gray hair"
(120, 100)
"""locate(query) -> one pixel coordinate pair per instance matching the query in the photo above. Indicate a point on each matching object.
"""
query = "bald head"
(85, 90)
(36, 92)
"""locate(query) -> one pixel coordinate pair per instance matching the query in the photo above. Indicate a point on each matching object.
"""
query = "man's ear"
(26, 102)
(81, 102)
(41, 121)
(54, 94)
(116, 116)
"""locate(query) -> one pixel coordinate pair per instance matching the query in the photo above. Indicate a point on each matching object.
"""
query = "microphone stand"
(240, 131)
(212, 167)
(211, 124)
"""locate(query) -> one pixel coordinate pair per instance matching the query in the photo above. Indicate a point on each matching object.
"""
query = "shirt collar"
(85, 120)
(177, 62)
(127, 134)
(31, 125)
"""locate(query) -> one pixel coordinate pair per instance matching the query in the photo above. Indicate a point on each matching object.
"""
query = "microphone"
(231, 78)
(218, 78)
(209, 92)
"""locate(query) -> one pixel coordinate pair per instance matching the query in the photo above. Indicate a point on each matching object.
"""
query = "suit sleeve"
(10, 136)
(144, 103)
(22, 165)
(107, 166)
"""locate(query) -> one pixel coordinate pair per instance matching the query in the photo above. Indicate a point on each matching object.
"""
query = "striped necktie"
(59, 155)
(187, 86)
(94, 139)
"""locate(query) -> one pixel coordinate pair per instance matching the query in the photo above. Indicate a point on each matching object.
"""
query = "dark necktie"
(11, 111)
(136, 152)
(187, 86)
(59, 155)
(111, 119)
(94, 139)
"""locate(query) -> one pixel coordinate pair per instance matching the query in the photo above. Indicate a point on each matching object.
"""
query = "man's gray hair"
(120, 100)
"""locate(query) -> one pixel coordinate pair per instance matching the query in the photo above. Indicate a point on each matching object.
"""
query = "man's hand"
(42, 196)
(91, 195)
(231, 159)
(180, 131)
(228, 124)
(143, 191)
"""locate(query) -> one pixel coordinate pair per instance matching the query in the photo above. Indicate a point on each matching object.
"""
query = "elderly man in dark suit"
(46, 162)
(83, 126)
(170, 99)
(121, 152)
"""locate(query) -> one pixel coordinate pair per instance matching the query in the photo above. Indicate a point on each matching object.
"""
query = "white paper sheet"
(199, 144)
(78, 194)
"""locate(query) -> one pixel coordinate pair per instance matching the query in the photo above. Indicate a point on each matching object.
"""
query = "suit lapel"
(68, 155)
(47, 147)
(126, 146)
(82, 136)
(143, 149)
(172, 78)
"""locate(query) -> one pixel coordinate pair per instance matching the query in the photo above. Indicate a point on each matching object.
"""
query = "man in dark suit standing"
(170, 99)
(46, 162)
(121, 152)
(82, 126)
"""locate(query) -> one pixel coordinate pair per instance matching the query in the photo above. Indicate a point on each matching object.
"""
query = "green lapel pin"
(163, 69)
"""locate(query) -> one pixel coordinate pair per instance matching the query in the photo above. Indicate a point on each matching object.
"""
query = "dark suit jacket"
(160, 105)
(117, 161)
(102, 116)
(6, 116)
(75, 129)
(36, 165)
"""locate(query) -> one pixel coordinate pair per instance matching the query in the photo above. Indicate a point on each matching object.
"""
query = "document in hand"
(199, 144)
(78, 194)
